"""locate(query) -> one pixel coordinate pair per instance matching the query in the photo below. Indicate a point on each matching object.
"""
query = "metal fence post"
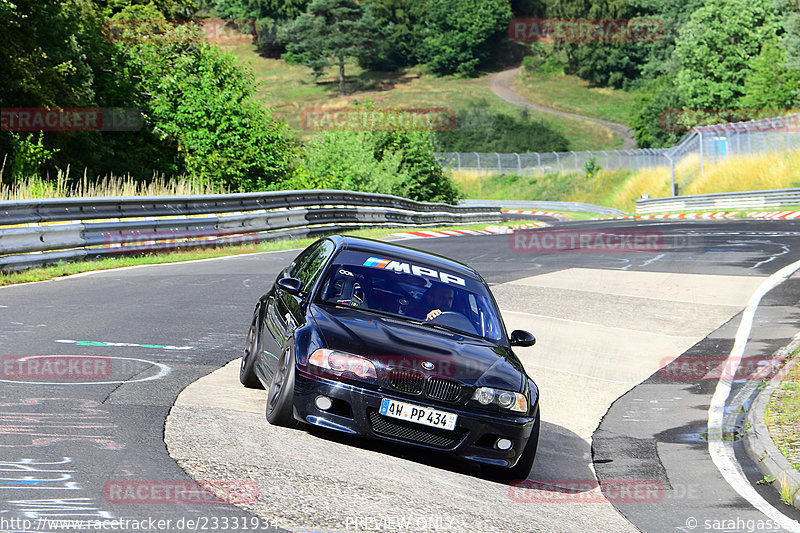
(539, 161)
(479, 160)
(701, 152)
(558, 161)
(458, 154)
(519, 164)
(499, 164)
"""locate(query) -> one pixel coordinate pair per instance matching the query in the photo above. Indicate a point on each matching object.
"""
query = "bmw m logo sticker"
(405, 268)
(427, 365)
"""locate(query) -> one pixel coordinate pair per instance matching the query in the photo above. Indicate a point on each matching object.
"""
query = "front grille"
(443, 389)
(406, 381)
(400, 429)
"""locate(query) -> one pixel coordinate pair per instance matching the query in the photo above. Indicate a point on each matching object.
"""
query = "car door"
(285, 312)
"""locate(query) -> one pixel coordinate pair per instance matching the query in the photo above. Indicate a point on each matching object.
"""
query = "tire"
(247, 375)
(525, 463)
(280, 396)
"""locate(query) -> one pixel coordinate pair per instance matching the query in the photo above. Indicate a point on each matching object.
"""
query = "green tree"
(601, 62)
(771, 83)
(328, 33)
(656, 116)
(461, 35)
(481, 130)
(172, 9)
(716, 47)
(345, 160)
(201, 104)
(400, 26)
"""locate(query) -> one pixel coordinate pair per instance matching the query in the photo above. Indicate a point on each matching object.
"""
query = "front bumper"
(354, 410)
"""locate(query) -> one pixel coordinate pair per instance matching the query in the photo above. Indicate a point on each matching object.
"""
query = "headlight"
(341, 363)
(513, 401)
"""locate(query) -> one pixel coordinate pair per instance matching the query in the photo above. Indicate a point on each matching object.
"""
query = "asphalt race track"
(148, 395)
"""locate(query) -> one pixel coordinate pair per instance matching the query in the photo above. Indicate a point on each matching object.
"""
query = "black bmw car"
(379, 340)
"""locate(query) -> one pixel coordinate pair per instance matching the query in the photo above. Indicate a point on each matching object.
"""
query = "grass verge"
(67, 269)
(574, 95)
(782, 416)
(601, 189)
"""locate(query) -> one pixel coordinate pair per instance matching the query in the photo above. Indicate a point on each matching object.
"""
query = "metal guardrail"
(546, 206)
(47, 231)
(728, 200)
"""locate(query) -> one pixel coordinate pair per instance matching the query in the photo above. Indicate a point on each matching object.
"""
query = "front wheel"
(247, 375)
(280, 397)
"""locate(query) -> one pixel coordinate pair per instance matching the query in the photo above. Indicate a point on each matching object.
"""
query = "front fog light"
(323, 403)
(503, 444)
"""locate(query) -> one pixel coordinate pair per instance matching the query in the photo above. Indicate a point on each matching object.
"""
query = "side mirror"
(292, 286)
(522, 338)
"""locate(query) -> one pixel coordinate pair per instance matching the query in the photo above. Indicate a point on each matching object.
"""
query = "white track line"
(722, 451)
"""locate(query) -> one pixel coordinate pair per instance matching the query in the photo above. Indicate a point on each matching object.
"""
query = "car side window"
(308, 266)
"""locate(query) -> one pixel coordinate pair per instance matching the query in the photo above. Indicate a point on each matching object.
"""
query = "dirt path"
(500, 84)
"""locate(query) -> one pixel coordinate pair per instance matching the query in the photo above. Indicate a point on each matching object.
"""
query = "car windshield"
(401, 288)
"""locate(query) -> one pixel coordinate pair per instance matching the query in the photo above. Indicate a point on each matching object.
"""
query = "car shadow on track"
(563, 461)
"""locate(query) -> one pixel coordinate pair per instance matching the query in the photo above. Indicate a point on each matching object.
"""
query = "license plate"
(418, 414)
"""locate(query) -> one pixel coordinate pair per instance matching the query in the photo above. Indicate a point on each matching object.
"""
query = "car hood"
(397, 343)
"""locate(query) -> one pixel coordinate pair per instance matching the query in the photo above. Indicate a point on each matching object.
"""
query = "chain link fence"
(709, 144)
